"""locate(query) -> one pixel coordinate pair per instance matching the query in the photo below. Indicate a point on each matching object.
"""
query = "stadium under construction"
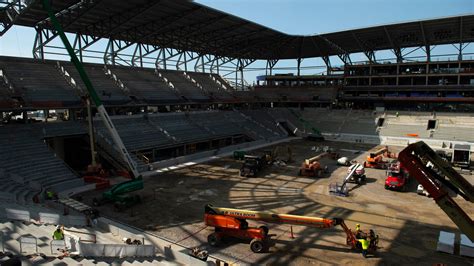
(133, 134)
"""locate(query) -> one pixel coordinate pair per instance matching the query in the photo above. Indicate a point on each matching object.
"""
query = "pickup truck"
(397, 178)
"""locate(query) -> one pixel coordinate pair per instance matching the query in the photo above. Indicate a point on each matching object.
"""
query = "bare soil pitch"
(408, 224)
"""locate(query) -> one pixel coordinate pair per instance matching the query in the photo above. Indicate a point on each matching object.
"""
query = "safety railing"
(83, 236)
(28, 241)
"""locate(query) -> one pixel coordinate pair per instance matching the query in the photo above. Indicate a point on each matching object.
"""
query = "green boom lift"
(119, 193)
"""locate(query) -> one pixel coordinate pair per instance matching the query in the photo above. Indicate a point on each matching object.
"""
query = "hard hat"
(124, 239)
(58, 227)
(357, 224)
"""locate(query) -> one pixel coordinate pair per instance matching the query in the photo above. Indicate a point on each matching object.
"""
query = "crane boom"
(273, 217)
(316, 158)
(415, 157)
(92, 93)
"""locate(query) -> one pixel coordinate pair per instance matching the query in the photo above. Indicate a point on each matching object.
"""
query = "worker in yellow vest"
(365, 246)
(58, 234)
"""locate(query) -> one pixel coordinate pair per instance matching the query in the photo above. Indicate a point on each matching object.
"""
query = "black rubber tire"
(257, 245)
(265, 229)
(213, 240)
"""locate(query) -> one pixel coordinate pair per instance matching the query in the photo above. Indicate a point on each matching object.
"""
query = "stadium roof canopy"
(189, 26)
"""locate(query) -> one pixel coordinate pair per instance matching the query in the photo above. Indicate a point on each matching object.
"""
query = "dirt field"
(408, 224)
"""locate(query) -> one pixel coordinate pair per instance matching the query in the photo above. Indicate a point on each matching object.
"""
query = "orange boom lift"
(376, 158)
(233, 223)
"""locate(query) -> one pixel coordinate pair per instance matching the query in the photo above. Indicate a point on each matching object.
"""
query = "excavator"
(119, 193)
(312, 166)
(434, 174)
(233, 223)
(376, 158)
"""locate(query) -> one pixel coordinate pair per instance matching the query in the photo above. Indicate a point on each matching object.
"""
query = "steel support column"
(114, 47)
(82, 42)
(142, 51)
(43, 37)
(298, 62)
(270, 64)
(327, 62)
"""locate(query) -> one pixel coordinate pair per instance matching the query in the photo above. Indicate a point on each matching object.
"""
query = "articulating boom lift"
(232, 223)
(415, 158)
(118, 192)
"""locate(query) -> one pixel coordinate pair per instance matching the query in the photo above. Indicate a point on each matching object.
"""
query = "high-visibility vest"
(58, 235)
(365, 243)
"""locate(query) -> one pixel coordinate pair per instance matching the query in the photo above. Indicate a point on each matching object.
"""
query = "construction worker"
(49, 195)
(357, 231)
(365, 246)
(58, 234)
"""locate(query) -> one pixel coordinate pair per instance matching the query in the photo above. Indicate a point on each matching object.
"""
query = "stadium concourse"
(170, 124)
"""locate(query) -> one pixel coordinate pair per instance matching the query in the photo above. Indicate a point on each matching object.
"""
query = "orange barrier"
(413, 135)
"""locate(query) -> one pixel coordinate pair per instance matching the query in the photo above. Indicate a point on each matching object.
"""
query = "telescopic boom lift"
(118, 191)
(415, 158)
(232, 223)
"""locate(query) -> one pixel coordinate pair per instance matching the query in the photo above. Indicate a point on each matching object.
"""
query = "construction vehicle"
(341, 189)
(233, 223)
(253, 164)
(376, 158)
(415, 159)
(119, 192)
(358, 176)
(397, 177)
(312, 166)
(239, 155)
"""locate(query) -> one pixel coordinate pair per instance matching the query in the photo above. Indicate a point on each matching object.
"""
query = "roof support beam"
(269, 67)
(142, 51)
(341, 53)
(327, 61)
(224, 60)
(164, 55)
(395, 48)
(187, 57)
(82, 42)
(112, 51)
(425, 42)
(202, 66)
(12, 12)
(369, 53)
(43, 37)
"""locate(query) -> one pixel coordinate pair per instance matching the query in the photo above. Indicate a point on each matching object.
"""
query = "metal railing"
(92, 239)
(28, 241)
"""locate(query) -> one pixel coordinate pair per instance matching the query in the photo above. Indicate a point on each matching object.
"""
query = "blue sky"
(297, 17)
(318, 16)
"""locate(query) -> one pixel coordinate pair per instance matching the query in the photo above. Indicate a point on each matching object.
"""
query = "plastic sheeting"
(116, 250)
